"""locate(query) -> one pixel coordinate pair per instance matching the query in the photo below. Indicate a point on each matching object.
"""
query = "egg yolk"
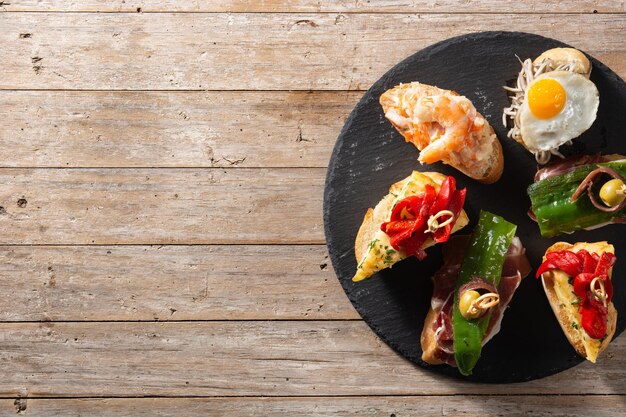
(546, 98)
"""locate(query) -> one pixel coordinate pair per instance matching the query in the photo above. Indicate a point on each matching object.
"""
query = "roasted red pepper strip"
(413, 244)
(393, 228)
(589, 262)
(544, 267)
(444, 199)
(564, 260)
(408, 231)
(455, 206)
(604, 264)
(581, 284)
(430, 196)
(608, 288)
(585, 267)
(594, 316)
(408, 203)
(448, 186)
(442, 234)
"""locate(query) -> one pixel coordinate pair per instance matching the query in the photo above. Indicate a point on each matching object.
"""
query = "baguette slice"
(559, 293)
(372, 248)
(555, 58)
(428, 341)
(445, 127)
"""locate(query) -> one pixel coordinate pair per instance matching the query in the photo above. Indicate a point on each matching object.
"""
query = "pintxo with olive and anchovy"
(585, 192)
(471, 291)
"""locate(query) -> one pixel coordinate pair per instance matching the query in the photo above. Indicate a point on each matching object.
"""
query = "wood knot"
(20, 405)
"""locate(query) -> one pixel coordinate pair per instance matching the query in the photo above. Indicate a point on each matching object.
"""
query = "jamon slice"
(437, 336)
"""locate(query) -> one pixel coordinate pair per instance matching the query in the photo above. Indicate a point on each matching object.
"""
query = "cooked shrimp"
(443, 125)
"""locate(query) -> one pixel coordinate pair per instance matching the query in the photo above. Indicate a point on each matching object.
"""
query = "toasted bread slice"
(372, 248)
(560, 295)
(428, 341)
(571, 58)
(445, 127)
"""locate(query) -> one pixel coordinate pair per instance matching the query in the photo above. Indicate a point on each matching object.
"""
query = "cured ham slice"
(437, 336)
(567, 165)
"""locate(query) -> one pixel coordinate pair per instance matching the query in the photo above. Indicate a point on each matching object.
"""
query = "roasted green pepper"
(484, 257)
(554, 209)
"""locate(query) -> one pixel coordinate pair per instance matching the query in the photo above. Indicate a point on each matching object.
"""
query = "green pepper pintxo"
(484, 258)
(554, 209)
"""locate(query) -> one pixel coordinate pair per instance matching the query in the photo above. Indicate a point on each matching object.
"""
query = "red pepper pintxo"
(416, 217)
(586, 267)
(420, 211)
(577, 282)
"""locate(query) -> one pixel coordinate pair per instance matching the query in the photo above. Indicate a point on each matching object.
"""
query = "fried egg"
(558, 107)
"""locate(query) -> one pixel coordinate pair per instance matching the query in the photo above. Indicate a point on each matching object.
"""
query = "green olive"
(612, 192)
(465, 303)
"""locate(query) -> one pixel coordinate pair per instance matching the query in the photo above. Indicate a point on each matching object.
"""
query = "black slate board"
(370, 155)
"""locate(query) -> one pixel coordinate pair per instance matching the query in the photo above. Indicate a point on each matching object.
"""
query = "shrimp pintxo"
(445, 127)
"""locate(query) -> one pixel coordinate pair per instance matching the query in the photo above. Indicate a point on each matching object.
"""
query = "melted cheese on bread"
(566, 306)
(379, 253)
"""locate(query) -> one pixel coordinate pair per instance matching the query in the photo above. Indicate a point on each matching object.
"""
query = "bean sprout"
(433, 223)
(482, 304)
(597, 288)
(526, 76)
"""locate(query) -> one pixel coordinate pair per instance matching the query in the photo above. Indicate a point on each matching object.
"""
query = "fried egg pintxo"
(552, 103)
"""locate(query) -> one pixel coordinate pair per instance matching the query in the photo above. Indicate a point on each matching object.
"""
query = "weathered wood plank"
(170, 129)
(161, 206)
(299, 6)
(425, 406)
(245, 359)
(254, 51)
(169, 283)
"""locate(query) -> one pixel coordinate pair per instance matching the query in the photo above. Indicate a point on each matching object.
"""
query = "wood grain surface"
(74, 283)
(161, 206)
(423, 406)
(161, 173)
(208, 51)
(245, 358)
(324, 6)
(171, 129)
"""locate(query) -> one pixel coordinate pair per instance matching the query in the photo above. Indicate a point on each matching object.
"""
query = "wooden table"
(162, 169)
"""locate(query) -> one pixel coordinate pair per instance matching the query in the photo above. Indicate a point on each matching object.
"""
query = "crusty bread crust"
(371, 223)
(427, 340)
(387, 98)
(563, 56)
(493, 166)
(548, 285)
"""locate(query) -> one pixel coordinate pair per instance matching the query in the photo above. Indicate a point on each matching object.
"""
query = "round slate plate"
(370, 155)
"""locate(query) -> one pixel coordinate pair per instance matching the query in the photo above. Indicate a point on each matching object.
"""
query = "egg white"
(577, 115)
